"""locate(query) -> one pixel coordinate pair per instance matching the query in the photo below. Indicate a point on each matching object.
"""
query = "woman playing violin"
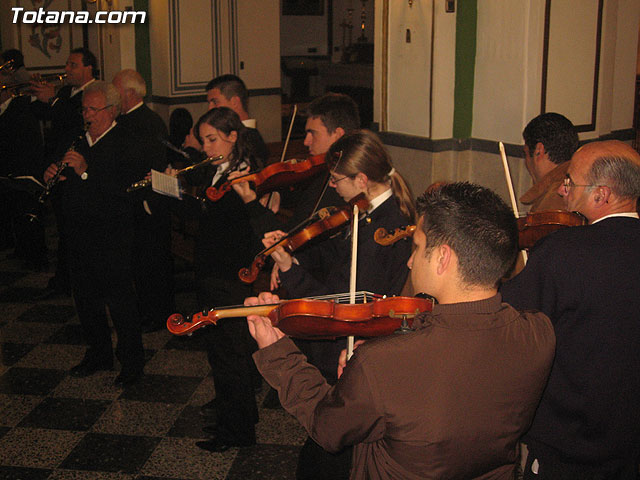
(358, 164)
(225, 242)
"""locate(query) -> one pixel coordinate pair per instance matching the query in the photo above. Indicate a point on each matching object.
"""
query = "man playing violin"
(549, 141)
(329, 117)
(586, 280)
(451, 398)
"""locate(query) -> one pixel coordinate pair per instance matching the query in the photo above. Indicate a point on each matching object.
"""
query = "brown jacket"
(449, 400)
(544, 194)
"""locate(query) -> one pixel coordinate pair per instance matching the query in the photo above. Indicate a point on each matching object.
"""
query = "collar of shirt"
(222, 168)
(134, 107)
(249, 122)
(75, 90)
(379, 200)
(5, 105)
(91, 142)
(621, 214)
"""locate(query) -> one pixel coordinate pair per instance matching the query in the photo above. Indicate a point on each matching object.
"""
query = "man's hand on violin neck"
(260, 327)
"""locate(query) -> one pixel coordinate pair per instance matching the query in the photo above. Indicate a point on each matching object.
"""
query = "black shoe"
(209, 409)
(89, 367)
(218, 445)
(126, 378)
(271, 400)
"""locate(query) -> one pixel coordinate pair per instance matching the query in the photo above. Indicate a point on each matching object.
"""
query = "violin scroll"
(384, 238)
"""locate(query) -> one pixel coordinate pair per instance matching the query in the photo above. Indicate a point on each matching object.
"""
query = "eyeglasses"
(93, 110)
(568, 183)
(335, 180)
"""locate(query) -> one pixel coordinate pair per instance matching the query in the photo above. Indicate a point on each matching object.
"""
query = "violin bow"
(354, 269)
(512, 194)
(284, 150)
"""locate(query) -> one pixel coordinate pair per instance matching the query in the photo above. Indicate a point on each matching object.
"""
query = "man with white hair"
(153, 263)
(99, 221)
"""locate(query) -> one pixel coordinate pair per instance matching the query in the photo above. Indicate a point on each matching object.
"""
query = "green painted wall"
(466, 25)
(143, 46)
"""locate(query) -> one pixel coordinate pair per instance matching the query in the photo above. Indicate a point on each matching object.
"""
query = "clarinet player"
(99, 219)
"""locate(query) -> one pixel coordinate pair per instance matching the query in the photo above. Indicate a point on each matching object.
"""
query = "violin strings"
(361, 297)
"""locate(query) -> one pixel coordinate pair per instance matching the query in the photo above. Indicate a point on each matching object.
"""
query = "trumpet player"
(99, 222)
(62, 110)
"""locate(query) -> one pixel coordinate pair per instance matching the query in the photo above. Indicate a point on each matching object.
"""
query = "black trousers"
(101, 278)
(153, 267)
(549, 467)
(229, 350)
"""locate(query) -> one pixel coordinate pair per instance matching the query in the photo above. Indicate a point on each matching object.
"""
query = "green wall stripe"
(143, 45)
(466, 26)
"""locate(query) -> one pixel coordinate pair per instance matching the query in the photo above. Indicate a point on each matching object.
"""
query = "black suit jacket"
(149, 128)
(98, 211)
(585, 279)
(66, 122)
(381, 269)
(20, 140)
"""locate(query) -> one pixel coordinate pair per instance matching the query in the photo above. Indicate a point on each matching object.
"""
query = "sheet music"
(165, 184)
(25, 177)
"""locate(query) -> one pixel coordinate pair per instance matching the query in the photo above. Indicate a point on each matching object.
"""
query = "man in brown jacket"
(450, 399)
(549, 141)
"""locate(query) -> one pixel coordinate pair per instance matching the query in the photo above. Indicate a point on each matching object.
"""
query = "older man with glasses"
(586, 280)
(99, 220)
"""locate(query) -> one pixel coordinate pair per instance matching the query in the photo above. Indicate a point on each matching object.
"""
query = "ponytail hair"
(362, 152)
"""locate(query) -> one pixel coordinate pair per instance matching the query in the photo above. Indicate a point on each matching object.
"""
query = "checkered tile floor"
(58, 427)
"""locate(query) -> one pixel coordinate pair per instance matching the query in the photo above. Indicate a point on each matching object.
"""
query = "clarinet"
(60, 165)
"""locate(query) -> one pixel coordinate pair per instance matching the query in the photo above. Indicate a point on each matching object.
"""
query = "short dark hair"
(15, 55)
(231, 86)
(477, 224)
(88, 59)
(335, 110)
(555, 132)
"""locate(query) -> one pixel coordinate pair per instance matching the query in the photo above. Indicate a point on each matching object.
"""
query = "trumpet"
(146, 182)
(47, 78)
(61, 165)
(8, 65)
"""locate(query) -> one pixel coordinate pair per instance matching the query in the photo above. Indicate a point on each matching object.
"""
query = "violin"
(534, 226)
(384, 238)
(320, 317)
(296, 239)
(273, 177)
(531, 227)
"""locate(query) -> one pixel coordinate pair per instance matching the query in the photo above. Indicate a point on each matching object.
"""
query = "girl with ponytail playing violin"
(358, 164)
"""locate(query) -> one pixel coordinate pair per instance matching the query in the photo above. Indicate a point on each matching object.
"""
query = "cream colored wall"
(627, 30)
(421, 169)
(503, 68)
(409, 73)
(508, 69)
(198, 51)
